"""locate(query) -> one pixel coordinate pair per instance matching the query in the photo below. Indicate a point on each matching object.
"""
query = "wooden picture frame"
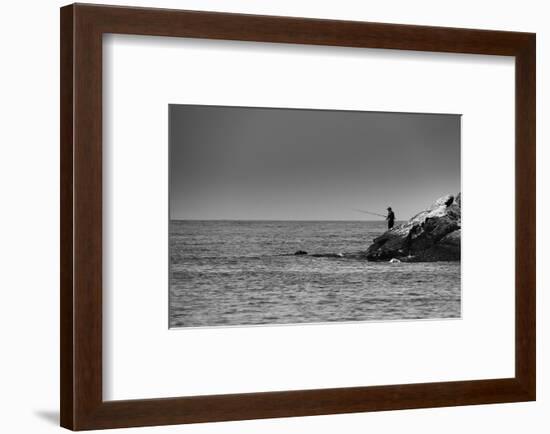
(82, 28)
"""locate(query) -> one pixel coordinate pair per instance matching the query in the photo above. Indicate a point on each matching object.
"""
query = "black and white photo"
(289, 216)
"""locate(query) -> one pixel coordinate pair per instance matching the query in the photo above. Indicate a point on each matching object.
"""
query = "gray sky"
(284, 164)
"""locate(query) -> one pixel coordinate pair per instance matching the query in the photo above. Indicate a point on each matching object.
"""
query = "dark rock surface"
(328, 255)
(431, 235)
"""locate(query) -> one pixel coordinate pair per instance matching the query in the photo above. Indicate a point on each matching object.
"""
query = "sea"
(241, 273)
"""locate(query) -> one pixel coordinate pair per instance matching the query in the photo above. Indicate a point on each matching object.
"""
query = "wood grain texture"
(82, 29)
(66, 218)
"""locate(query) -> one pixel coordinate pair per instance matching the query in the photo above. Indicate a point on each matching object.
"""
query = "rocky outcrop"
(431, 235)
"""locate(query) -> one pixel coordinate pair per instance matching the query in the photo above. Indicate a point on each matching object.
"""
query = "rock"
(327, 255)
(431, 235)
(322, 255)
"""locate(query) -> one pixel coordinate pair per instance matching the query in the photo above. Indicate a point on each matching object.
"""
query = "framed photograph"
(270, 217)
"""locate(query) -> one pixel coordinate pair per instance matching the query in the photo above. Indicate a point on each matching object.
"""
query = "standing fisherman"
(390, 218)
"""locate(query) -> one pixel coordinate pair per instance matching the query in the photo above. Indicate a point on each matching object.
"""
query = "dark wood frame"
(82, 405)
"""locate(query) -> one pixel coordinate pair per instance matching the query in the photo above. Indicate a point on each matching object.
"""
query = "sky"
(239, 163)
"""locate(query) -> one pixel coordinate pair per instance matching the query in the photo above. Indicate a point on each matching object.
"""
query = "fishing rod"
(369, 212)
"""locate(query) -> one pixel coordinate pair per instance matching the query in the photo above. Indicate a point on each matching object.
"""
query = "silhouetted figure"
(390, 218)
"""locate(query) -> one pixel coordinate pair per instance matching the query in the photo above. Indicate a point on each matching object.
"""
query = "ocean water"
(226, 273)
